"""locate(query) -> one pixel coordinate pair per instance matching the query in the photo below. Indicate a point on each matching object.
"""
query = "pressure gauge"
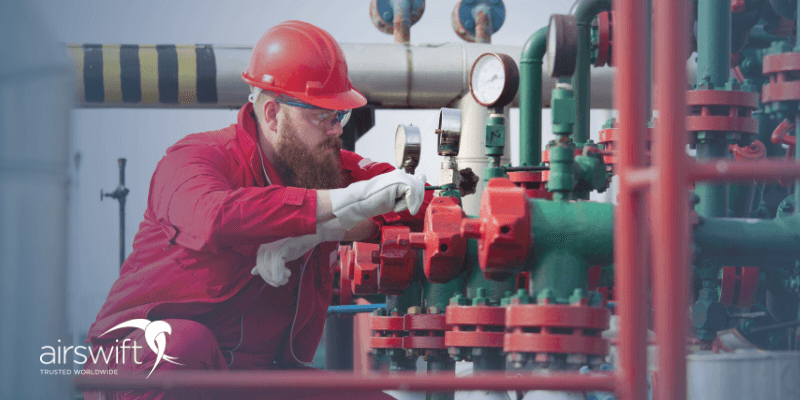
(449, 131)
(494, 80)
(562, 45)
(407, 144)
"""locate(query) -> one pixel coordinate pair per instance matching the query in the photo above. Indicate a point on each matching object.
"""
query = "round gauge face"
(407, 141)
(552, 45)
(399, 146)
(488, 79)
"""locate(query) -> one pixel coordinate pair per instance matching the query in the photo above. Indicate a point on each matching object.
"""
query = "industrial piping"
(530, 99)
(630, 276)
(389, 75)
(585, 12)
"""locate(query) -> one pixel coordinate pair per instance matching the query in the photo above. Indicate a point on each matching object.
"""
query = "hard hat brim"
(340, 101)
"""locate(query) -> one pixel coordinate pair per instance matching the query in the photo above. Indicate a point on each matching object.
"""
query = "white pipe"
(390, 75)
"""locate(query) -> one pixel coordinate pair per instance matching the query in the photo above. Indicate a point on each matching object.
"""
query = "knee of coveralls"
(190, 344)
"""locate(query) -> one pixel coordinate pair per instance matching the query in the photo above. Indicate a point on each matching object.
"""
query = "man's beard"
(299, 166)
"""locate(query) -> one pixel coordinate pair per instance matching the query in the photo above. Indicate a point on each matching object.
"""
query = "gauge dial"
(407, 143)
(562, 45)
(494, 80)
(449, 131)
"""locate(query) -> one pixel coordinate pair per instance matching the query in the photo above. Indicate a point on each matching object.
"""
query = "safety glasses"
(323, 117)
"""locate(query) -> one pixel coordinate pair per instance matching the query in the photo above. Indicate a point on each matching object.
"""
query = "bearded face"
(311, 167)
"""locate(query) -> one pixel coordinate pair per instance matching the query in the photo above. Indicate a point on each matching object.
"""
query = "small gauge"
(449, 131)
(407, 144)
(494, 79)
(562, 45)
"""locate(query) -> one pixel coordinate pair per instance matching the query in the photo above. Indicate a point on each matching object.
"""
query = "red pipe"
(726, 170)
(669, 198)
(259, 380)
(631, 276)
(640, 178)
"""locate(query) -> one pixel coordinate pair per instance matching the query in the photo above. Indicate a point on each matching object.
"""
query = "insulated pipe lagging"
(389, 75)
(530, 99)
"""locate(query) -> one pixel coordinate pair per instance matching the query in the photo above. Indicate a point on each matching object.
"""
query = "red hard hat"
(303, 61)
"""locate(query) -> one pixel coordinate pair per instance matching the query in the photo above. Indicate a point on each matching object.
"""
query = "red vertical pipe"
(631, 268)
(670, 199)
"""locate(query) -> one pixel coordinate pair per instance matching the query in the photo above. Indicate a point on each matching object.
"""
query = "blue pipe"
(355, 309)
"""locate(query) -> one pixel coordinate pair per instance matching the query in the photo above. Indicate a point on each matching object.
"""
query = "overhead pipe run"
(390, 76)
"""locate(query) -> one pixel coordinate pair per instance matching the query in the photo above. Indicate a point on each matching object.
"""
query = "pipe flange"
(781, 70)
(387, 332)
(475, 326)
(533, 182)
(381, 12)
(721, 111)
(425, 331)
(556, 329)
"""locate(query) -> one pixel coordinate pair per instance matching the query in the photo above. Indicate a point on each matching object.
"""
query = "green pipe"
(584, 12)
(530, 99)
(757, 241)
(713, 70)
(714, 41)
(713, 196)
(493, 290)
(569, 237)
(562, 172)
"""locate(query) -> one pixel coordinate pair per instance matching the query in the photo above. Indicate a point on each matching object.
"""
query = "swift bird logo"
(155, 336)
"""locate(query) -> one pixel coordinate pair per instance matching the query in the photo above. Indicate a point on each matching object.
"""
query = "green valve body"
(563, 109)
(562, 174)
(495, 143)
(570, 237)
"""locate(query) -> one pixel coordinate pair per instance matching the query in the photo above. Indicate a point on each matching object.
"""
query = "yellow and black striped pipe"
(114, 75)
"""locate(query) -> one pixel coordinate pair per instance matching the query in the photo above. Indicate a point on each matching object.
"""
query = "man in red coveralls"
(234, 258)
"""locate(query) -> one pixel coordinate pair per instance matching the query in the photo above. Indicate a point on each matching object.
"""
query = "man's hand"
(272, 257)
(393, 191)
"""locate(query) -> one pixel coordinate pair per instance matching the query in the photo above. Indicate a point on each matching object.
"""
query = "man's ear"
(271, 115)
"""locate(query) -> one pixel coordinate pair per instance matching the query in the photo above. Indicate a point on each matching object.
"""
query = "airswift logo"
(155, 337)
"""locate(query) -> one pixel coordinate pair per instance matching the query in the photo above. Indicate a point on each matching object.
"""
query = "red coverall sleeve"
(192, 195)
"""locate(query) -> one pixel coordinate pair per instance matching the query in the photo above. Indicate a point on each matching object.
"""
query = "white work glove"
(272, 257)
(393, 191)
